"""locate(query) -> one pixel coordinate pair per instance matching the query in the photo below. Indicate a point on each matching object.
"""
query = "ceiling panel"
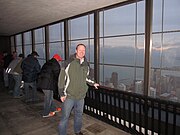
(21, 15)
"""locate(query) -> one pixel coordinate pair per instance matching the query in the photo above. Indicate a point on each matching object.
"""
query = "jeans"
(6, 81)
(17, 79)
(11, 82)
(67, 106)
(30, 91)
(49, 105)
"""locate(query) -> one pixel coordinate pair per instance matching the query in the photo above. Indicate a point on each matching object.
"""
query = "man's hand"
(63, 98)
(96, 85)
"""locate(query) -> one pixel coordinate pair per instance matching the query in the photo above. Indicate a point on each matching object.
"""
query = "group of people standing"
(70, 77)
(25, 70)
(13, 73)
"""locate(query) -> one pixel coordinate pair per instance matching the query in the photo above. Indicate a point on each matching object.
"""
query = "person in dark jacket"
(30, 67)
(48, 82)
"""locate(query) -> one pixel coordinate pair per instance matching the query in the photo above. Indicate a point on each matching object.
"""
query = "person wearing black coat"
(48, 82)
(30, 70)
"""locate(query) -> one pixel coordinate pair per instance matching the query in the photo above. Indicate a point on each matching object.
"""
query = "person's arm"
(62, 82)
(22, 64)
(37, 67)
(96, 85)
(90, 81)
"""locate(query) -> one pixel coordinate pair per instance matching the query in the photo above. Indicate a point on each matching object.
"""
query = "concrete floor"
(20, 118)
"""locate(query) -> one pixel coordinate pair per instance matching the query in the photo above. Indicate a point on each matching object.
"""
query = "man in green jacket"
(72, 86)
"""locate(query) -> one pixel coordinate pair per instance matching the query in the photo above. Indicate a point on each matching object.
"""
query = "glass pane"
(91, 25)
(19, 50)
(40, 35)
(165, 74)
(56, 48)
(171, 51)
(117, 77)
(40, 50)
(12, 44)
(27, 50)
(155, 82)
(82, 29)
(141, 17)
(90, 54)
(139, 81)
(18, 40)
(120, 50)
(171, 15)
(119, 20)
(101, 26)
(157, 16)
(56, 32)
(79, 28)
(27, 38)
(156, 51)
(169, 85)
(140, 51)
(139, 74)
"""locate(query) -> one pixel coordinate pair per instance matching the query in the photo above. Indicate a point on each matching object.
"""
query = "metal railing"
(132, 112)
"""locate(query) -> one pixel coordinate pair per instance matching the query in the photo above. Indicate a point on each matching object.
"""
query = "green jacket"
(18, 69)
(73, 78)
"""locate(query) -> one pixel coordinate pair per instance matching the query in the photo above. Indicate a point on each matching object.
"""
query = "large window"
(19, 44)
(56, 39)
(81, 30)
(27, 43)
(165, 50)
(122, 47)
(40, 44)
(12, 44)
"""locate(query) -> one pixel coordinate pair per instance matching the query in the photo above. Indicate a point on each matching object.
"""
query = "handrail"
(133, 112)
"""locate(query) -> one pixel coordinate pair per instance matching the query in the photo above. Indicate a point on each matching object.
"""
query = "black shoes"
(80, 133)
(20, 96)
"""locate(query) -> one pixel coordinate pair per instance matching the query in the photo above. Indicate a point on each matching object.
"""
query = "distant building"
(110, 85)
(114, 79)
(122, 87)
(107, 81)
(139, 87)
(156, 80)
(152, 92)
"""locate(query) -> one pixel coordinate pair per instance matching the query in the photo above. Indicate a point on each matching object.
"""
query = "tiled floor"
(20, 118)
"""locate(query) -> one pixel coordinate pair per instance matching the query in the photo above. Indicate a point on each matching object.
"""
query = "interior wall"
(5, 44)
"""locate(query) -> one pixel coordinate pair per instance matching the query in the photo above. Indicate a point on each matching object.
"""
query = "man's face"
(14, 54)
(80, 52)
(35, 56)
